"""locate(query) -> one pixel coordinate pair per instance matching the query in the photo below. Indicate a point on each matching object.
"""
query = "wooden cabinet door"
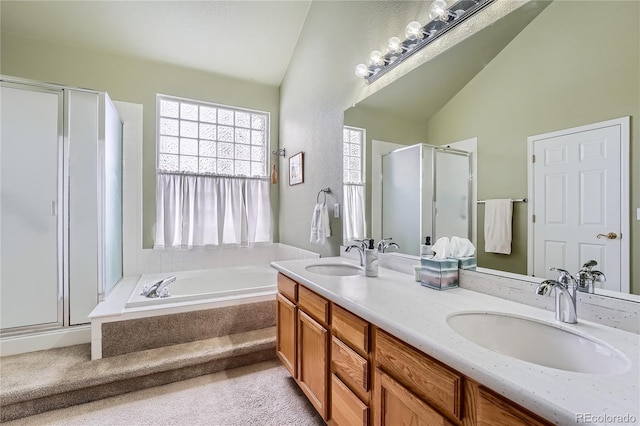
(494, 410)
(396, 406)
(286, 333)
(346, 407)
(313, 362)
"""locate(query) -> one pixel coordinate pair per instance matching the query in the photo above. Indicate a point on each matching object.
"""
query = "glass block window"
(208, 139)
(352, 154)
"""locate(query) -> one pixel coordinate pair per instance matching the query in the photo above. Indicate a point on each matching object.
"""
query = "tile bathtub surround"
(171, 260)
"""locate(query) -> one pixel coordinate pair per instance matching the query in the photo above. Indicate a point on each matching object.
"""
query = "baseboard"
(76, 335)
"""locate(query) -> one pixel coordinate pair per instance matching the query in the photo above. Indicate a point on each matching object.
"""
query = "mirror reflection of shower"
(426, 191)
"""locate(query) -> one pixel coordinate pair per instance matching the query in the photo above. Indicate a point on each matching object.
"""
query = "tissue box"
(439, 274)
(468, 263)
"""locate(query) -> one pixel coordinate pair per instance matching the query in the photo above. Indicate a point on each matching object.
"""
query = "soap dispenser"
(370, 260)
(425, 249)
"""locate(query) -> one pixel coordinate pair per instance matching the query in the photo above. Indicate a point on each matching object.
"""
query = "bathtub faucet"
(158, 289)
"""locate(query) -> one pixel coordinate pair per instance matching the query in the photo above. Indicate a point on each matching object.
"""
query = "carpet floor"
(261, 394)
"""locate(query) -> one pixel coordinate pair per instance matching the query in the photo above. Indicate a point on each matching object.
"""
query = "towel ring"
(325, 191)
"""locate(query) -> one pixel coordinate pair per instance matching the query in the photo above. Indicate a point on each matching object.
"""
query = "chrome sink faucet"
(384, 244)
(158, 289)
(361, 246)
(565, 289)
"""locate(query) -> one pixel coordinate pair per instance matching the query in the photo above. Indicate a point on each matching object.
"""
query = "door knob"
(610, 236)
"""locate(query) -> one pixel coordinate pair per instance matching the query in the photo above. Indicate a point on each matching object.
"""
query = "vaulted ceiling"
(250, 40)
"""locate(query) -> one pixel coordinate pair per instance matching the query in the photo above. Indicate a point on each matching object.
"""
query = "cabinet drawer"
(288, 287)
(395, 405)
(316, 306)
(422, 375)
(350, 329)
(346, 408)
(494, 410)
(350, 367)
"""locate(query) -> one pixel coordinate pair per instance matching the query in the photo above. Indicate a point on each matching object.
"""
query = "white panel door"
(30, 141)
(577, 196)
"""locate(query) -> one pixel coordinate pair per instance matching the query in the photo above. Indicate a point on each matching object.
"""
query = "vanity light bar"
(419, 37)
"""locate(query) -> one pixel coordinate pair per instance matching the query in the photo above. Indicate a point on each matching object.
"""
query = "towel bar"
(519, 200)
(326, 191)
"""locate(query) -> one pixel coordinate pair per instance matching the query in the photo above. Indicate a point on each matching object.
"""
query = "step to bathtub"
(127, 335)
(41, 381)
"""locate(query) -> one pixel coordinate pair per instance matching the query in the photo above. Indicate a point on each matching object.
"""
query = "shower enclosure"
(425, 192)
(60, 248)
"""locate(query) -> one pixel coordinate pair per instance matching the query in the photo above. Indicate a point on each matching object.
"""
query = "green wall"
(137, 81)
(576, 63)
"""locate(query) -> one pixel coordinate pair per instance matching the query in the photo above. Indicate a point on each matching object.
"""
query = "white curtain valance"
(197, 211)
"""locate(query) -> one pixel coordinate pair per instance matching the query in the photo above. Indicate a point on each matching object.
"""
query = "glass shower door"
(30, 206)
(401, 197)
(452, 192)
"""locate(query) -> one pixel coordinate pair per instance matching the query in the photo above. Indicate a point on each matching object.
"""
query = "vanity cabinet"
(302, 340)
(357, 374)
(421, 390)
(286, 320)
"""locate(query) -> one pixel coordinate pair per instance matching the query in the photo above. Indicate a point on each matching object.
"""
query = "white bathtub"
(207, 284)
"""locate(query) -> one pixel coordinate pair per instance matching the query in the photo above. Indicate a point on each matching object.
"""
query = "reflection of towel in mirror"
(320, 229)
(498, 215)
(461, 247)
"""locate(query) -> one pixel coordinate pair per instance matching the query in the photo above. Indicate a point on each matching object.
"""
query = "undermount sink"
(335, 269)
(538, 343)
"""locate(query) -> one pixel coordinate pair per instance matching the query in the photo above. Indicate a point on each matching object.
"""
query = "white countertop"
(394, 302)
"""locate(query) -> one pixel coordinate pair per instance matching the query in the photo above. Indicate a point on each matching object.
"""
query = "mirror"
(543, 68)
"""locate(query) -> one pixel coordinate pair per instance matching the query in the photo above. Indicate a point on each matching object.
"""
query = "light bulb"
(362, 70)
(438, 10)
(394, 46)
(375, 59)
(414, 30)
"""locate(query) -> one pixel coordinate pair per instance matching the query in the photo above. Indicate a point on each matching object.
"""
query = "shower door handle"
(54, 208)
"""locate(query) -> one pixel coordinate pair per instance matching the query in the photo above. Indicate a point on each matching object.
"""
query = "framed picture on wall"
(296, 169)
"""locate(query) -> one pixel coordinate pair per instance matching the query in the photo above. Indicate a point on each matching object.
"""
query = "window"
(352, 147)
(208, 139)
(212, 186)
(353, 140)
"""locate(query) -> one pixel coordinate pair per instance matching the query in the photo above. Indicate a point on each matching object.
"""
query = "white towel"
(498, 215)
(320, 228)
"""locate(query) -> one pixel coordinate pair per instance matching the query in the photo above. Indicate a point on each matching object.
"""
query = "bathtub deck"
(41, 381)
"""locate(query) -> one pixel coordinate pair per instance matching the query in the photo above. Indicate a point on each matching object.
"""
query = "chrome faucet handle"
(565, 277)
(545, 287)
(590, 264)
(383, 243)
(363, 243)
(598, 276)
